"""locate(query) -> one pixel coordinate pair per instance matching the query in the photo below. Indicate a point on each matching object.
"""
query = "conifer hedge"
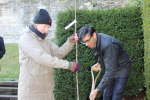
(125, 24)
(146, 27)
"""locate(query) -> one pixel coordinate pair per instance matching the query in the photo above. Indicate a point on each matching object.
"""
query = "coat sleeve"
(2, 47)
(63, 50)
(32, 48)
(110, 61)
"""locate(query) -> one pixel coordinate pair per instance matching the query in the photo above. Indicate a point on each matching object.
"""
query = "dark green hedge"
(146, 27)
(125, 24)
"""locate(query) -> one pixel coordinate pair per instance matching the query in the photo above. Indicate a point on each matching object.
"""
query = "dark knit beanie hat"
(42, 17)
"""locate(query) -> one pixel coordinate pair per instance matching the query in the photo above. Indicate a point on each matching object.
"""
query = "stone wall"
(15, 15)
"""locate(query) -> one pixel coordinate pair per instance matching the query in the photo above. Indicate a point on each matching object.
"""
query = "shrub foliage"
(146, 27)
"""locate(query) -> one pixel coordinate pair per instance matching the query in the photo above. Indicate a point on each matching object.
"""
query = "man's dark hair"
(86, 30)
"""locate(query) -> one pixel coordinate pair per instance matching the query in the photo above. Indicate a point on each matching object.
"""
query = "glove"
(72, 39)
(73, 66)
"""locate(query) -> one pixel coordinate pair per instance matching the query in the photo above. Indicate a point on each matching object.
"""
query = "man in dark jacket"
(2, 47)
(110, 55)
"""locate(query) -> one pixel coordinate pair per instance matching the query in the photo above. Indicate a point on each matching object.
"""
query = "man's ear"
(94, 35)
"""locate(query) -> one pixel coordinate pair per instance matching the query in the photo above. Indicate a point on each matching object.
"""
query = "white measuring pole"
(75, 22)
(76, 52)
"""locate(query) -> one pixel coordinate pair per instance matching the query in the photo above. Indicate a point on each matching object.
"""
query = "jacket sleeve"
(2, 47)
(110, 61)
(32, 48)
(63, 50)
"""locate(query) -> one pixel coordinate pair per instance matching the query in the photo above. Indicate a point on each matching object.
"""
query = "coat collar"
(30, 32)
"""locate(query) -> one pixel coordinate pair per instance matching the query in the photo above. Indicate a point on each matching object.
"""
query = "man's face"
(90, 41)
(43, 28)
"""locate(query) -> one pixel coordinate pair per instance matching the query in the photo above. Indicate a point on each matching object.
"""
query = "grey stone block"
(8, 97)
(8, 83)
(8, 90)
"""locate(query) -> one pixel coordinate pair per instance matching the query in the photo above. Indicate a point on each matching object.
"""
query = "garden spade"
(94, 81)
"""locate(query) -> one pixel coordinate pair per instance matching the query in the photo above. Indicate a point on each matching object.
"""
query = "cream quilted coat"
(37, 57)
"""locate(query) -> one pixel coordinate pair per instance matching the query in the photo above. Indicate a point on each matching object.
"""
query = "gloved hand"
(74, 38)
(73, 66)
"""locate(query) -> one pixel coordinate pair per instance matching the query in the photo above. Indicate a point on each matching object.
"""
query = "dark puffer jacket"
(113, 57)
(2, 47)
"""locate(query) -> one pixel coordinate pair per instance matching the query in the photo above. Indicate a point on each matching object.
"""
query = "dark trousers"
(115, 90)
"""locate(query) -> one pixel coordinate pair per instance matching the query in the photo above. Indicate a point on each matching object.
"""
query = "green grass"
(10, 63)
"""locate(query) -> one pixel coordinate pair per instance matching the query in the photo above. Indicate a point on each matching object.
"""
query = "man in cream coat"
(37, 57)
